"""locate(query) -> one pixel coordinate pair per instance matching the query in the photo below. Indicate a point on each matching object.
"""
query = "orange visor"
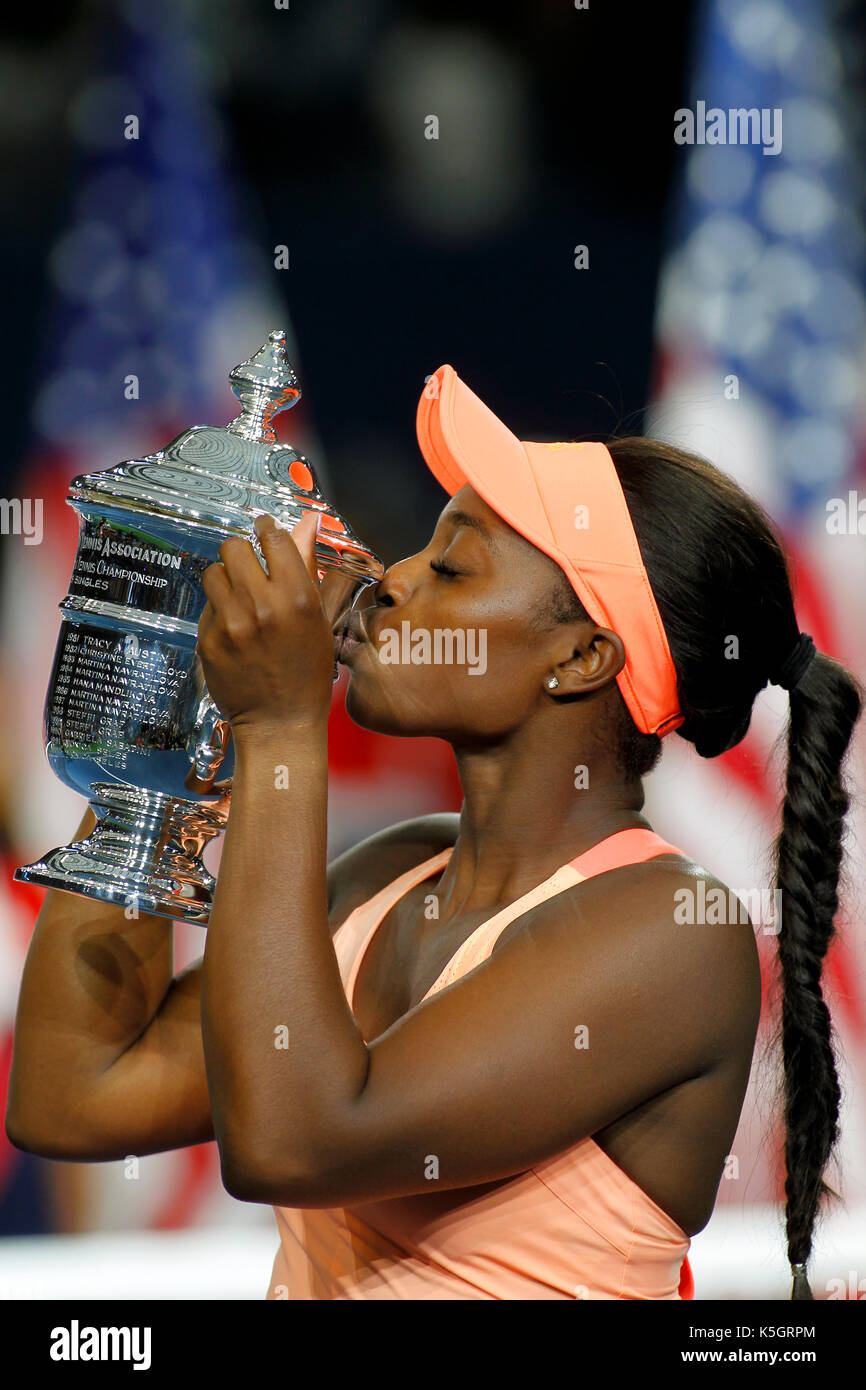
(567, 500)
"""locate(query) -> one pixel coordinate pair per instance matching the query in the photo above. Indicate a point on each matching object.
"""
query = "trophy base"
(142, 854)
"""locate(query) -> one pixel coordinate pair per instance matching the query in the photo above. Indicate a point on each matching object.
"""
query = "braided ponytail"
(718, 571)
(824, 705)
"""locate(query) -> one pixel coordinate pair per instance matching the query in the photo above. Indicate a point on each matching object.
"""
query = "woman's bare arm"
(107, 1057)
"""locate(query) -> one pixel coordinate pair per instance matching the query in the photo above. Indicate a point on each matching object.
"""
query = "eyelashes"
(442, 568)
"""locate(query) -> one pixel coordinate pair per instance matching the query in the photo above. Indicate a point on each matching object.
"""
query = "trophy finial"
(265, 384)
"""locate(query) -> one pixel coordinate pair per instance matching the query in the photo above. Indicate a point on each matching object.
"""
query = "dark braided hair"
(721, 583)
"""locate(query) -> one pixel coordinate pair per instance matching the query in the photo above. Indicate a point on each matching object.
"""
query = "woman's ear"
(597, 658)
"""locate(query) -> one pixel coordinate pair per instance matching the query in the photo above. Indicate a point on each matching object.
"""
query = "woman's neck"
(524, 815)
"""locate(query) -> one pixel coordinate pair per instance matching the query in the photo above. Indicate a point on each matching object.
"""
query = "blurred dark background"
(405, 252)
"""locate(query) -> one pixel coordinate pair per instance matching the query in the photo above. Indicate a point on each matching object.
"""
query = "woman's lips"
(344, 645)
(349, 638)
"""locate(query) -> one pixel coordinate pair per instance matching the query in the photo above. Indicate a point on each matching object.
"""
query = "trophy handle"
(207, 746)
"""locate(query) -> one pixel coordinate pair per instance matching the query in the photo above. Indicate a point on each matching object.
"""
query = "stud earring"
(552, 682)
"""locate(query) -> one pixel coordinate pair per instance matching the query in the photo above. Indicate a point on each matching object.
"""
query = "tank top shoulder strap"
(614, 852)
(353, 936)
(625, 847)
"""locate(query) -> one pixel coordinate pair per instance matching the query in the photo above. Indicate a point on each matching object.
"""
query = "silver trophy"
(128, 720)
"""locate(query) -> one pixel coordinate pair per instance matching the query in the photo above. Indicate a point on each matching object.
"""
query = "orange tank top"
(574, 1226)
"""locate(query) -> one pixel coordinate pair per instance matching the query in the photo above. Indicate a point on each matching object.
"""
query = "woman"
(479, 1055)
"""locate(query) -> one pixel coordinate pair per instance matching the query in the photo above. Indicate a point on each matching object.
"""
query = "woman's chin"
(378, 719)
(362, 713)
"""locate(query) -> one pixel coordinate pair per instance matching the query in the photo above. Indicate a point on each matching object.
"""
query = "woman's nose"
(395, 586)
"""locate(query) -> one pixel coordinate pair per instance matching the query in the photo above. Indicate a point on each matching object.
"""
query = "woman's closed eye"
(441, 568)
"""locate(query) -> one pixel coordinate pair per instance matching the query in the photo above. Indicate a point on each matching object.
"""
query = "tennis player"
(482, 1055)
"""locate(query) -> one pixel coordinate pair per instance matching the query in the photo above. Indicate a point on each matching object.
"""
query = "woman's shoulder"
(358, 873)
(668, 923)
(671, 891)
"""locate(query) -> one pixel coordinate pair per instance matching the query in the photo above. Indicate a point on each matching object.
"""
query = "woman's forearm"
(285, 1058)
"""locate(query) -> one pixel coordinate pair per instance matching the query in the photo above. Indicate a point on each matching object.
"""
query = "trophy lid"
(222, 476)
